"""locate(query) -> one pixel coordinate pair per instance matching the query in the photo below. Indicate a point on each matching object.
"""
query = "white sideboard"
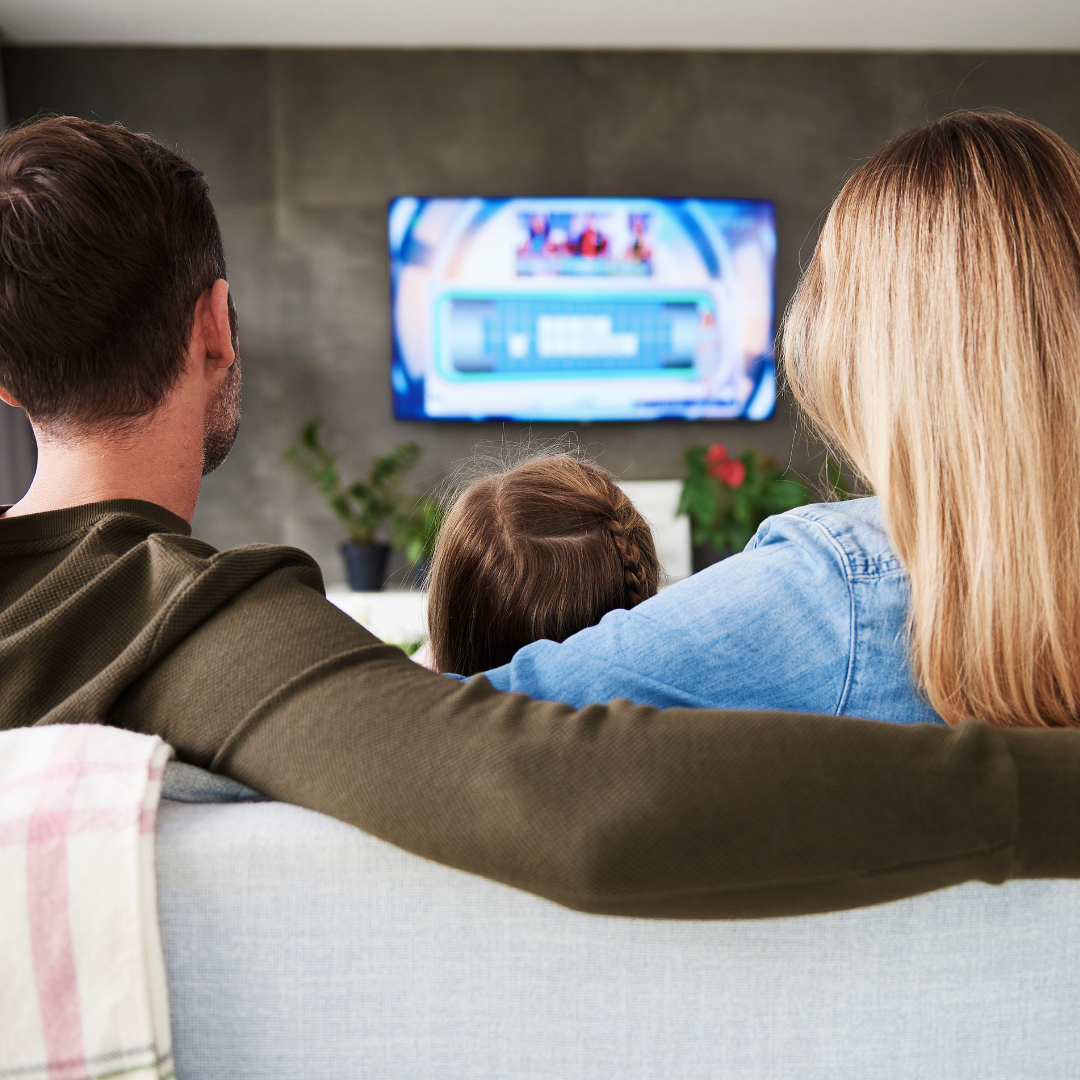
(398, 616)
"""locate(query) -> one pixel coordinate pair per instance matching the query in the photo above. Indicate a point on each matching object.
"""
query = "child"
(541, 550)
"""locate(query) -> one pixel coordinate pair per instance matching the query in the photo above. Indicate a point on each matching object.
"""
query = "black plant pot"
(703, 555)
(365, 565)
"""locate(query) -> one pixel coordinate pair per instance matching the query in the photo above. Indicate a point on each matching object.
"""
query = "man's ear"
(5, 396)
(213, 315)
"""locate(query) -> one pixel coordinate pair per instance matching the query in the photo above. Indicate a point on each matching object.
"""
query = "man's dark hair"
(540, 551)
(107, 240)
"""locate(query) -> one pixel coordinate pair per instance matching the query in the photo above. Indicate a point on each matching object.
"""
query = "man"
(118, 338)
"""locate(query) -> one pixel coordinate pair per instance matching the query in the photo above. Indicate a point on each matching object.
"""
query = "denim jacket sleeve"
(810, 618)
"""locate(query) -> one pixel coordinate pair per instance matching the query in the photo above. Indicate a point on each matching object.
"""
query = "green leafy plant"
(416, 532)
(837, 483)
(727, 498)
(364, 505)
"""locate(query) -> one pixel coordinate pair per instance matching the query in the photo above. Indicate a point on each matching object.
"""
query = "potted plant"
(362, 507)
(726, 498)
(415, 534)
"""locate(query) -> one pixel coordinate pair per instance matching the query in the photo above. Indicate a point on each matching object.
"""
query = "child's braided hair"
(540, 550)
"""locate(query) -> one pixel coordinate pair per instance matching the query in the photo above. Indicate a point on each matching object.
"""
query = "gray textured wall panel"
(211, 104)
(304, 148)
(359, 127)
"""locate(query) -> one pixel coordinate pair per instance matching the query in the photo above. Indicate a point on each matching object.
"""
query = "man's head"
(107, 242)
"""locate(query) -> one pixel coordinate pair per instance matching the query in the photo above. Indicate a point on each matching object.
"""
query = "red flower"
(730, 471)
(715, 454)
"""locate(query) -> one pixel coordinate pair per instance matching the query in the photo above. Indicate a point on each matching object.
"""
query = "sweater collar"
(76, 518)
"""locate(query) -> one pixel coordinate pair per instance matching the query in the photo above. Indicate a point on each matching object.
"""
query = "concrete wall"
(303, 149)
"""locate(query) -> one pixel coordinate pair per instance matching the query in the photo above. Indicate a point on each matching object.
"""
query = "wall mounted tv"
(581, 309)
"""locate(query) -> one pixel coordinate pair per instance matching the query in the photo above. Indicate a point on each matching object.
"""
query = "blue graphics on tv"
(582, 309)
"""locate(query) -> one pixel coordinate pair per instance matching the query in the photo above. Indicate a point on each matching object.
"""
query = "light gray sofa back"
(297, 946)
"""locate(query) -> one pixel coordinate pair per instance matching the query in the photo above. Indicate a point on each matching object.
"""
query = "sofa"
(298, 946)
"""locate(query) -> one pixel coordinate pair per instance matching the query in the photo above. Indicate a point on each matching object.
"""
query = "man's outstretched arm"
(619, 809)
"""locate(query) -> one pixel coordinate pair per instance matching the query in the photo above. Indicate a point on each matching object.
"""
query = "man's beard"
(222, 420)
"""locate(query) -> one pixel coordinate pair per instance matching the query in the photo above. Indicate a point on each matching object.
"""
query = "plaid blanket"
(82, 989)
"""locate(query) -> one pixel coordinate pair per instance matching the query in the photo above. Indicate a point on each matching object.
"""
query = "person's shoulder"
(852, 530)
(144, 542)
(204, 557)
(255, 576)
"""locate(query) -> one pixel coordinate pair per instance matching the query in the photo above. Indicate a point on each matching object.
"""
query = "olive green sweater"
(113, 613)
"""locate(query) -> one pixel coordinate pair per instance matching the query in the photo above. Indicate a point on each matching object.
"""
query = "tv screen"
(582, 309)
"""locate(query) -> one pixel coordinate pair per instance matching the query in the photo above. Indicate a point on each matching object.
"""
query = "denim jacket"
(809, 618)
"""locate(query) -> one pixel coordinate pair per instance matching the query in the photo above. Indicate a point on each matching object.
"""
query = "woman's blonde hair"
(934, 341)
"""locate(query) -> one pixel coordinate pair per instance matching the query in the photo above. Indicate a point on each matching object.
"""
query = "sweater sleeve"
(238, 661)
(629, 810)
(620, 809)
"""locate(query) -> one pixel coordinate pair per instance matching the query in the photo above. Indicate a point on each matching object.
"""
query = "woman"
(934, 342)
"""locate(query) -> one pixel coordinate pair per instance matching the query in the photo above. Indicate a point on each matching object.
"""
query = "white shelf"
(399, 617)
(657, 501)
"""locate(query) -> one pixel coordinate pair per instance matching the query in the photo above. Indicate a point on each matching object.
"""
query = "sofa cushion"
(297, 945)
(189, 784)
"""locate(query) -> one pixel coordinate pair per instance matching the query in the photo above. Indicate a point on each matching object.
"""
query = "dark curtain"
(18, 453)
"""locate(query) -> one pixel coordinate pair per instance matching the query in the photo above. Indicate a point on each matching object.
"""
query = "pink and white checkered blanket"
(82, 979)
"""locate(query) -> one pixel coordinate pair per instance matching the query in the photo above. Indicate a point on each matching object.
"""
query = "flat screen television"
(582, 309)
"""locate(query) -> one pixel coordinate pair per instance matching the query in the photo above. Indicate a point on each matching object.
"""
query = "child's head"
(541, 550)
